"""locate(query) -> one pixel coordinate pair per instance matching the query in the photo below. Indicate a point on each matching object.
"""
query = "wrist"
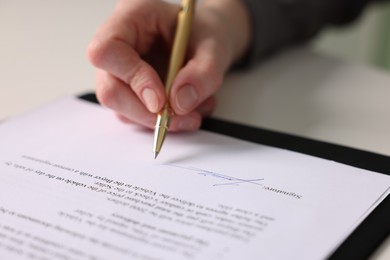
(234, 24)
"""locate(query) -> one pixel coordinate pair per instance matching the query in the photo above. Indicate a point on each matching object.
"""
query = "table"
(42, 57)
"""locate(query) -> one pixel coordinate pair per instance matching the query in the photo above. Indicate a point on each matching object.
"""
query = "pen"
(183, 29)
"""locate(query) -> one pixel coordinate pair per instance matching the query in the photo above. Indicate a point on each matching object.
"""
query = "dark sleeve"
(277, 24)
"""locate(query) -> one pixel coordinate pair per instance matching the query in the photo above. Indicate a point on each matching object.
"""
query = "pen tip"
(155, 155)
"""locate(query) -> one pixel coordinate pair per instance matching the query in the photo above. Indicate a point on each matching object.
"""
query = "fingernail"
(150, 99)
(187, 124)
(187, 98)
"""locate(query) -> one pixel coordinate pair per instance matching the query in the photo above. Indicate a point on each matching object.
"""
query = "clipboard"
(374, 229)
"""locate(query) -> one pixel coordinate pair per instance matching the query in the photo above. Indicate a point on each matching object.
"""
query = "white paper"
(75, 183)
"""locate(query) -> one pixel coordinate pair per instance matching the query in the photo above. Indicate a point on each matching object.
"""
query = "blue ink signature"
(231, 180)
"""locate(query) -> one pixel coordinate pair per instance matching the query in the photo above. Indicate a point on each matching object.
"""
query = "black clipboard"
(374, 229)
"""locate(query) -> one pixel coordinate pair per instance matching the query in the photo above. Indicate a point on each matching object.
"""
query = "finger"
(129, 33)
(124, 119)
(120, 60)
(116, 95)
(189, 122)
(199, 79)
(207, 107)
(193, 120)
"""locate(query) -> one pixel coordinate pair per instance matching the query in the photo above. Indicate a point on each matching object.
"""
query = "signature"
(230, 179)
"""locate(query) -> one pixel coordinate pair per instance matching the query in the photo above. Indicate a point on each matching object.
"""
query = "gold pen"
(178, 53)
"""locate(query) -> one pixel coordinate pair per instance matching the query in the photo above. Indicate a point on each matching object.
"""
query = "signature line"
(232, 180)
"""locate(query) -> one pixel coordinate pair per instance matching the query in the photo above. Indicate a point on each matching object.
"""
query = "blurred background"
(365, 41)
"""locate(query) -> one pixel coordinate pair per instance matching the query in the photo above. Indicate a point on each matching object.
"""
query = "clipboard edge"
(374, 229)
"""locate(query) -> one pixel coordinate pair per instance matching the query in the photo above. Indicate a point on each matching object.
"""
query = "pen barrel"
(164, 117)
(179, 48)
(176, 61)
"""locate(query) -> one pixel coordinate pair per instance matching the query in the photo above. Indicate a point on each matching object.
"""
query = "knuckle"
(97, 51)
(123, 119)
(107, 96)
(217, 76)
(210, 71)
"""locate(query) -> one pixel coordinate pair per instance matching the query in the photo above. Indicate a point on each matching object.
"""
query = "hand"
(130, 51)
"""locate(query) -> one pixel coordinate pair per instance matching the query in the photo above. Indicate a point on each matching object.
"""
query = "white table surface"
(42, 57)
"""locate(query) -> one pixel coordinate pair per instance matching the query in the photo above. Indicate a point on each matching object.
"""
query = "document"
(75, 183)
